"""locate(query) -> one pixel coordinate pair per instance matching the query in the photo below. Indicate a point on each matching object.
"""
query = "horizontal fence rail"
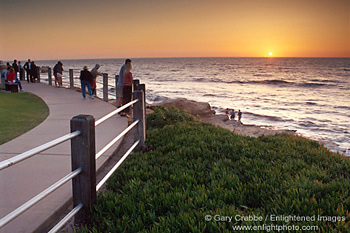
(115, 112)
(66, 218)
(109, 145)
(38, 198)
(116, 166)
(36, 150)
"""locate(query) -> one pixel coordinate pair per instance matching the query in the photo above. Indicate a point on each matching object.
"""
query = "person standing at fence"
(34, 72)
(15, 67)
(20, 71)
(57, 73)
(28, 68)
(94, 72)
(85, 80)
(127, 87)
(120, 84)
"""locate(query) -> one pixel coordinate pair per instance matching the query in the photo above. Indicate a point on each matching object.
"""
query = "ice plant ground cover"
(195, 170)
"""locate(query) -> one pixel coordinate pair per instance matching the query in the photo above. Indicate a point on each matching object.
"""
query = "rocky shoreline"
(206, 114)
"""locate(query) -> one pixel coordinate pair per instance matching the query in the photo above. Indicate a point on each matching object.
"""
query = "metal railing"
(84, 158)
(70, 80)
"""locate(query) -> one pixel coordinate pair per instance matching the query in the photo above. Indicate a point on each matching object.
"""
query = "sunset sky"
(67, 29)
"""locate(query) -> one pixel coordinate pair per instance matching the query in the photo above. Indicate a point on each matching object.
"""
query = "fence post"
(38, 73)
(142, 87)
(49, 76)
(71, 79)
(83, 156)
(136, 84)
(105, 87)
(139, 114)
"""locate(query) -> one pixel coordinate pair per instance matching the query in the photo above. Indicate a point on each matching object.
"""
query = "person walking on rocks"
(120, 83)
(94, 72)
(233, 114)
(85, 80)
(239, 116)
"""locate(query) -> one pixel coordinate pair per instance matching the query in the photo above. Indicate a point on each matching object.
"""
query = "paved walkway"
(26, 179)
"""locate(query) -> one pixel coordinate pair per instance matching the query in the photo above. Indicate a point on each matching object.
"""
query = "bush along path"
(201, 178)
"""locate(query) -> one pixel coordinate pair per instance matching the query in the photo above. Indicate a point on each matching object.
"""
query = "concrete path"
(26, 179)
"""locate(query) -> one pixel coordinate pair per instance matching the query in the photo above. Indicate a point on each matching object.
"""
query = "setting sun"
(270, 54)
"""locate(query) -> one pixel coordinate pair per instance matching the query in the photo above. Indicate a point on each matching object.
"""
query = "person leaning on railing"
(127, 88)
(85, 80)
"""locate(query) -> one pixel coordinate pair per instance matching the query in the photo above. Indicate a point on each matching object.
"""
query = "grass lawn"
(20, 112)
(196, 175)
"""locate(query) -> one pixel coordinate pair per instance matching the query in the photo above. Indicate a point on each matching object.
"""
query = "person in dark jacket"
(15, 67)
(58, 72)
(34, 72)
(28, 68)
(86, 80)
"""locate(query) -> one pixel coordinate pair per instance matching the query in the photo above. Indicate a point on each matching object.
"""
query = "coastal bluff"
(193, 107)
(206, 114)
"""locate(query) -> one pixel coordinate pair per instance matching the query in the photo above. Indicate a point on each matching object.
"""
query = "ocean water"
(309, 95)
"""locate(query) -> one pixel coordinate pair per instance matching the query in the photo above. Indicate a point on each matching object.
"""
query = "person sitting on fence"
(11, 78)
(127, 88)
(94, 72)
(86, 79)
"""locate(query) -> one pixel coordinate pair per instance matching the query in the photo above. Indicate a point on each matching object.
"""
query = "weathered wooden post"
(38, 74)
(71, 79)
(83, 156)
(105, 87)
(139, 114)
(136, 83)
(49, 76)
(142, 87)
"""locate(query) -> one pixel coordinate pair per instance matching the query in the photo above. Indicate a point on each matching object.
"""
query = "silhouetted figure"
(85, 80)
(94, 72)
(233, 114)
(28, 68)
(120, 83)
(127, 88)
(239, 116)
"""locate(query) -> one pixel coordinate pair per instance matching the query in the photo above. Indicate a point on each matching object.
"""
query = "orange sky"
(40, 29)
